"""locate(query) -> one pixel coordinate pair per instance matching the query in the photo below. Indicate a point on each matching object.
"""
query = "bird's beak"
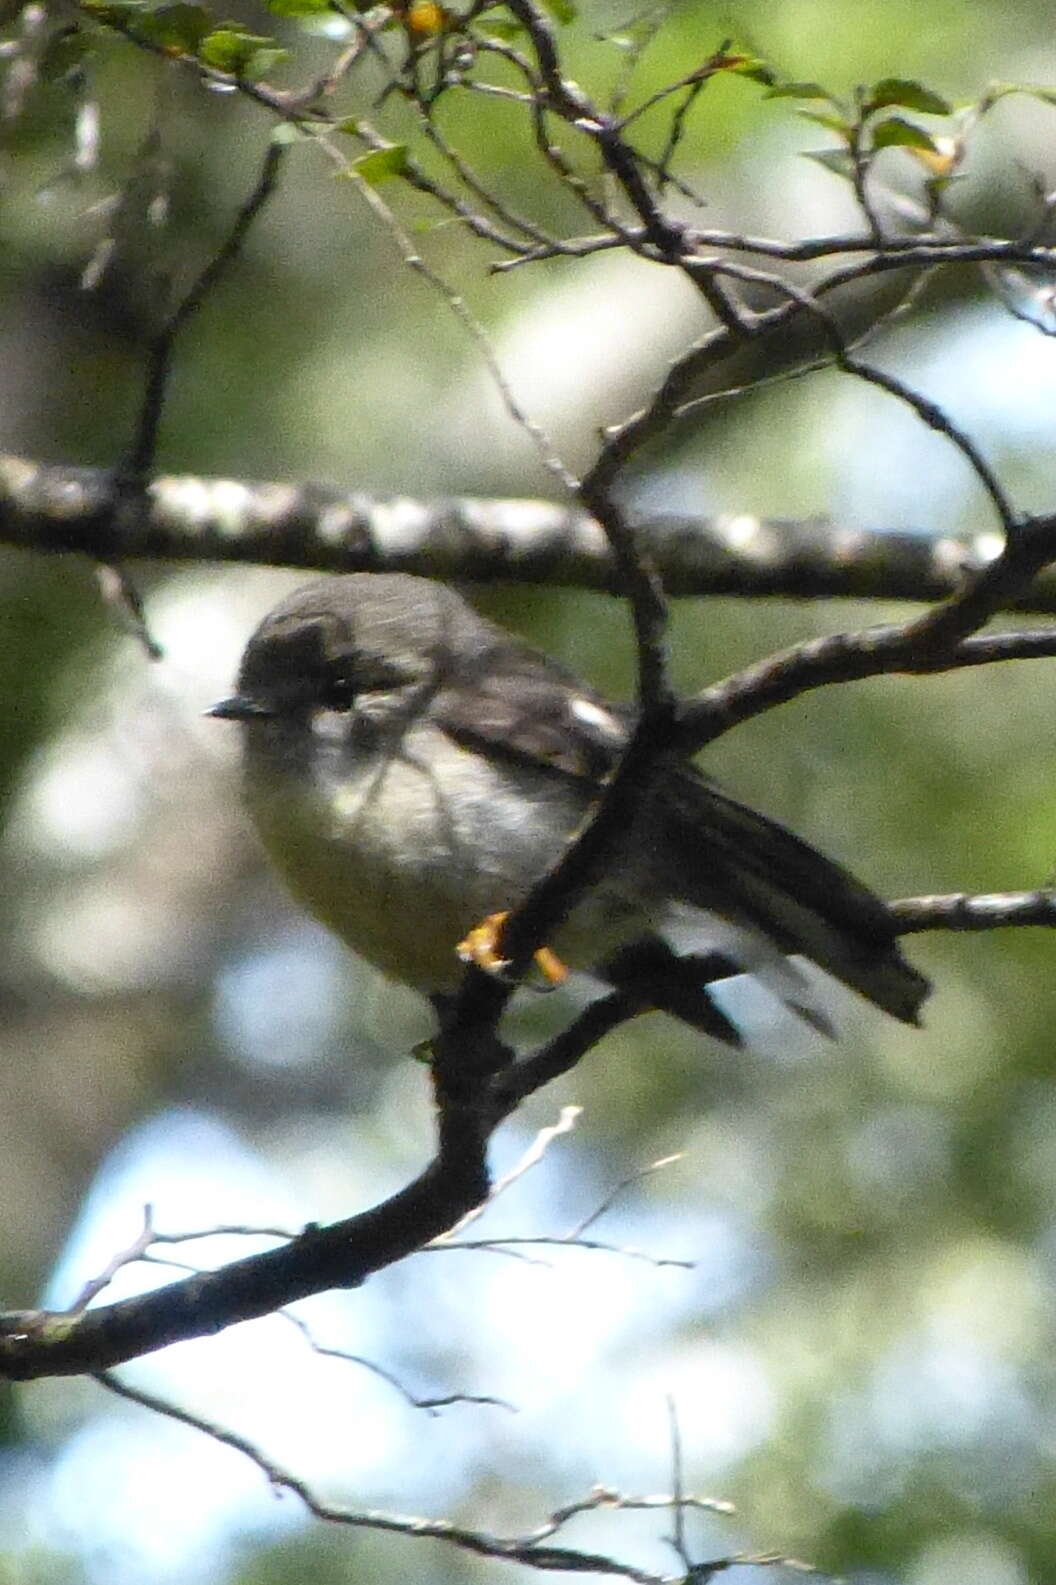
(239, 708)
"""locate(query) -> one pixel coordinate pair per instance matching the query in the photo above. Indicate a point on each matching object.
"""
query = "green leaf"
(380, 165)
(998, 91)
(837, 124)
(297, 8)
(178, 29)
(910, 95)
(561, 10)
(838, 161)
(264, 60)
(231, 49)
(757, 71)
(226, 49)
(896, 131)
(800, 91)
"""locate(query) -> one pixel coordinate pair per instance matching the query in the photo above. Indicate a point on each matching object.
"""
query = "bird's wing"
(723, 857)
(520, 706)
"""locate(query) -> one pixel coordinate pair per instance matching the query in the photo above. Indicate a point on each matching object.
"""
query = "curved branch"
(477, 1083)
(471, 1102)
(48, 1343)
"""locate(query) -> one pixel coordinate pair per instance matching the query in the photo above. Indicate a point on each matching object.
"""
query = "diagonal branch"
(342, 1255)
(533, 1549)
(160, 353)
(847, 657)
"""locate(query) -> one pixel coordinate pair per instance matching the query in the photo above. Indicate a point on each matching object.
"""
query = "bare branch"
(123, 598)
(125, 1257)
(515, 1245)
(432, 1406)
(34, 1343)
(678, 1539)
(849, 657)
(159, 359)
(530, 1549)
(619, 1190)
(980, 911)
(538, 1148)
(929, 412)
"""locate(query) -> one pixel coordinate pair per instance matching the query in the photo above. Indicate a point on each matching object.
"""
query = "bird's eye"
(338, 694)
(349, 689)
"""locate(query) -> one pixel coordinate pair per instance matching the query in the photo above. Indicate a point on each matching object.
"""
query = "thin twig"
(678, 1512)
(159, 356)
(431, 1405)
(845, 657)
(531, 1158)
(531, 1549)
(975, 911)
(619, 1190)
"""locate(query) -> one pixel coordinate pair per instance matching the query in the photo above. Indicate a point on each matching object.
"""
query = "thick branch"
(50, 507)
(47, 1343)
(477, 1083)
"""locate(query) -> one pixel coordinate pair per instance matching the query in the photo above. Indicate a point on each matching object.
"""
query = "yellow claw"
(554, 972)
(481, 946)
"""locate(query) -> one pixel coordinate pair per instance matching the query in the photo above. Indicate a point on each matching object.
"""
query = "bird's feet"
(482, 946)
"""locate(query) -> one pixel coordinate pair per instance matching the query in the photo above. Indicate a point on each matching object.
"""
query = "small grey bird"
(412, 769)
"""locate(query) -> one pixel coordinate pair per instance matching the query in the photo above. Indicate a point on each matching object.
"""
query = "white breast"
(402, 852)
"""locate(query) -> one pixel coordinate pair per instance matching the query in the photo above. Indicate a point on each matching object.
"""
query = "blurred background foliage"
(862, 1356)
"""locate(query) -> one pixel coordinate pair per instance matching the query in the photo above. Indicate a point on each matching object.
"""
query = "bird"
(412, 769)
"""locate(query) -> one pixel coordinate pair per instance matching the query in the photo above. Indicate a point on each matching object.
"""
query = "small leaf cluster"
(875, 121)
(182, 29)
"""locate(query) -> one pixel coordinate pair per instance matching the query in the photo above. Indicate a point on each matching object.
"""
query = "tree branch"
(46, 1343)
(51, 508)
(887, 650)
(984, 911)
(533, 1549)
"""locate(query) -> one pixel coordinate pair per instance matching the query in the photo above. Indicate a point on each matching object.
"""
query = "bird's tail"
(740, 862)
